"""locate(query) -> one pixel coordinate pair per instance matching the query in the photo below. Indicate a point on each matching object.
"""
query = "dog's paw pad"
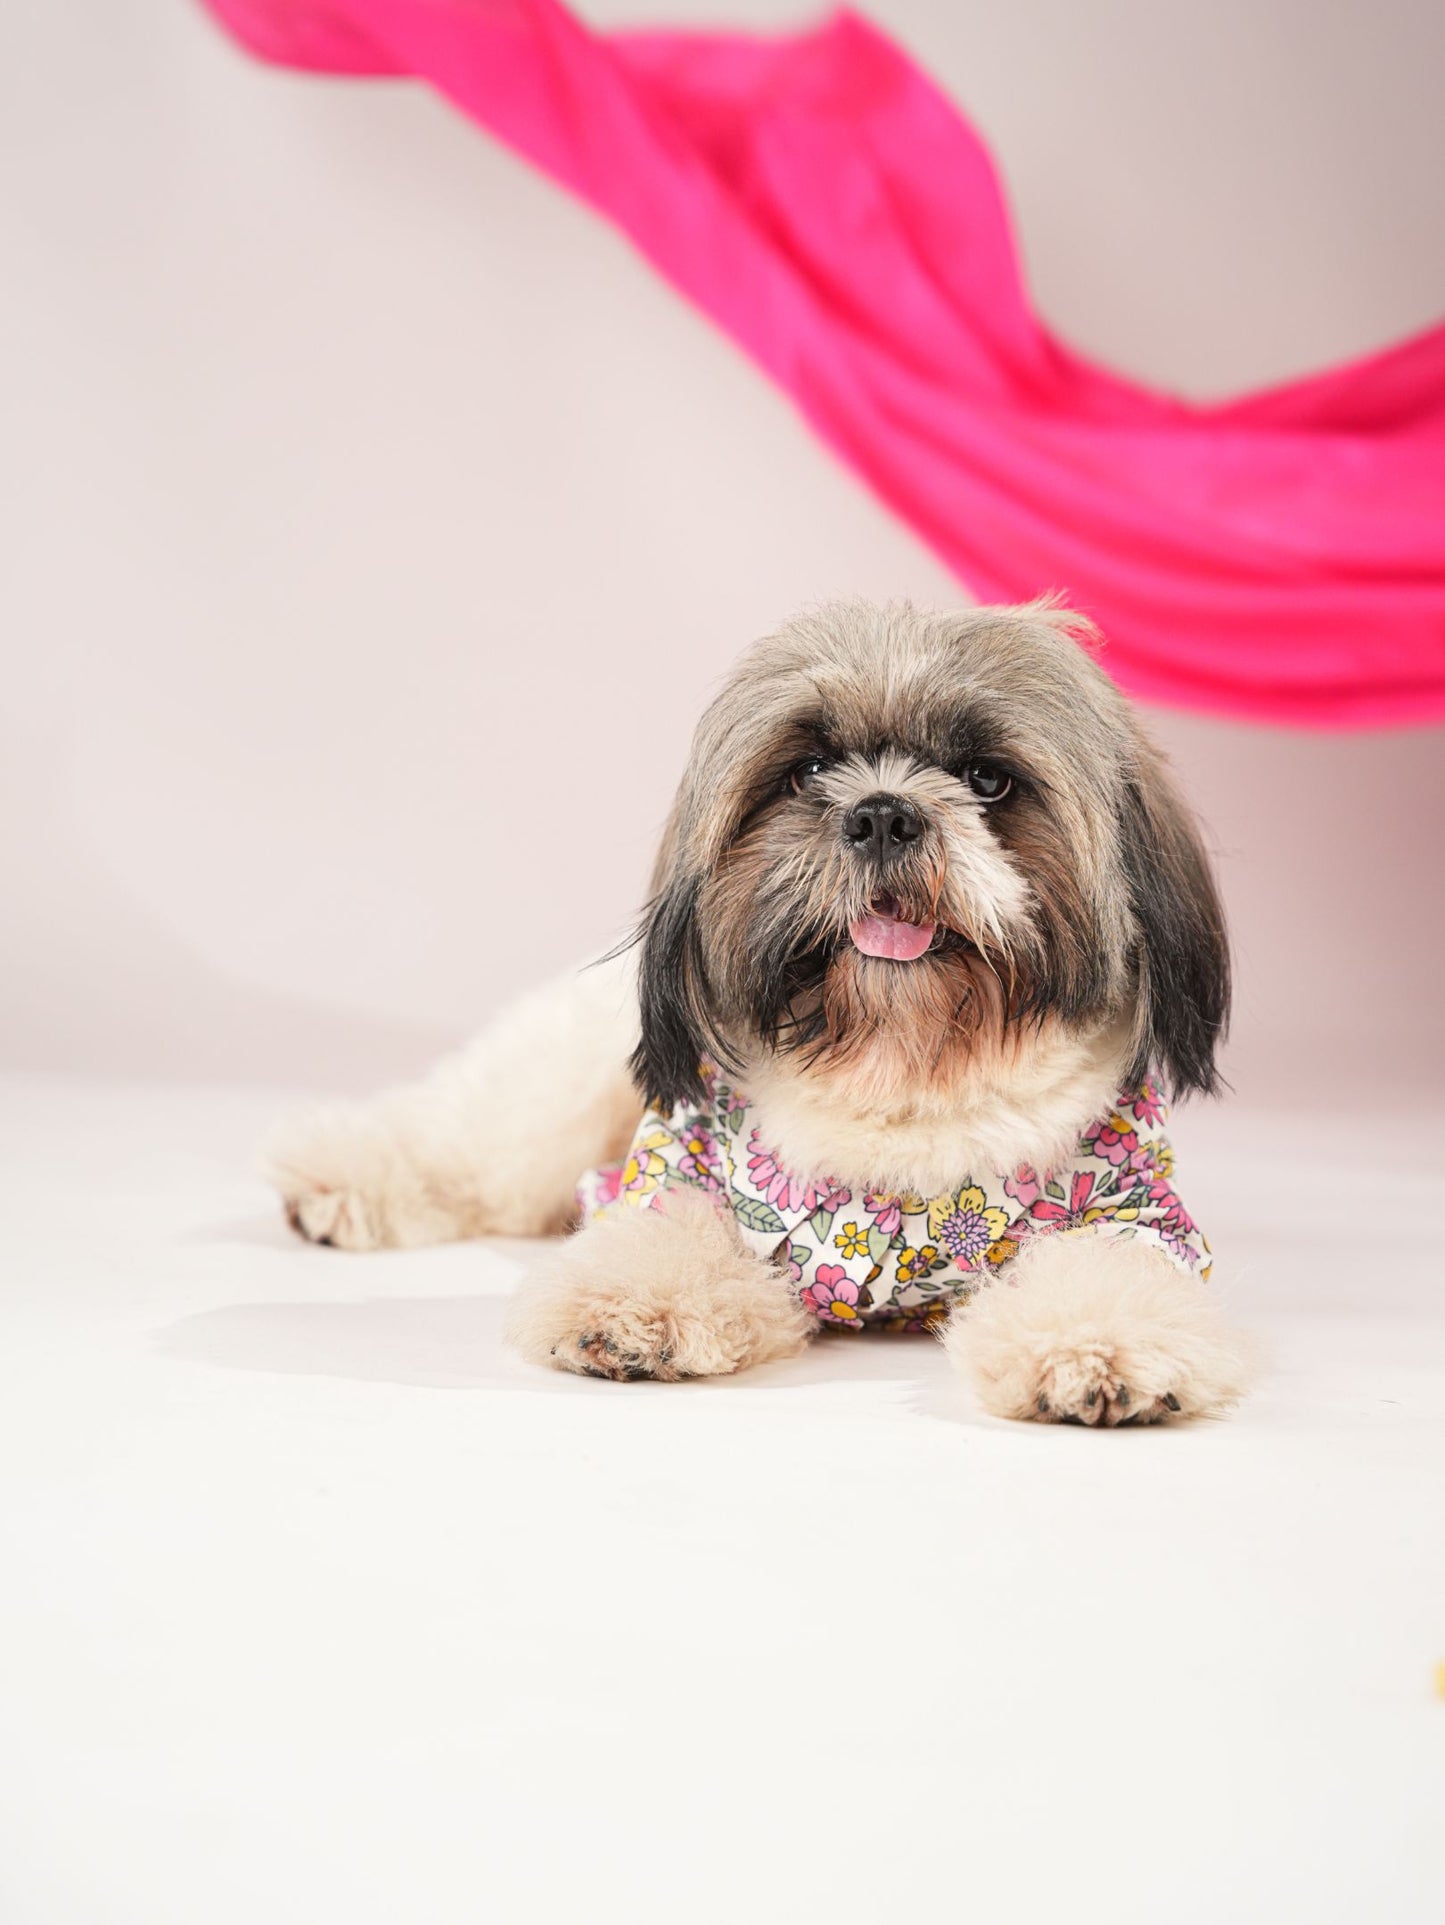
(335, 1218)
(1090, 1386)
(642, 1356)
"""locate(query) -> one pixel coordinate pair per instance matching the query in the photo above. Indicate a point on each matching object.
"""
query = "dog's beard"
(886, 1028)
(892, 1026)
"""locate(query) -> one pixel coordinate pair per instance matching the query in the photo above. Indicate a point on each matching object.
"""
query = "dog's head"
(904, 841)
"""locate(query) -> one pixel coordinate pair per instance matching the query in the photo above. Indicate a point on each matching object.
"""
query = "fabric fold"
(1280, 556)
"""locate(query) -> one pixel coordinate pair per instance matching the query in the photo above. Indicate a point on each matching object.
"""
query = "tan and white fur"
(1077, 942)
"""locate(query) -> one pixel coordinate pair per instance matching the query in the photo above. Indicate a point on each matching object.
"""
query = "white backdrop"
(374, 526)
(376, 522)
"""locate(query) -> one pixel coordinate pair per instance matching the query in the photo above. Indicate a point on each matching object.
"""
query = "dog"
(931, 932)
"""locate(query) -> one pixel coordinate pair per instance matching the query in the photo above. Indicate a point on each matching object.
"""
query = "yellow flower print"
(1113, 1212)
(852, 1241)
(644, 1169)
(916, 1263)
(965, 1226)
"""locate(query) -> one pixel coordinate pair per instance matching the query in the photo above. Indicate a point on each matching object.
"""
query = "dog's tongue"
(882, 932)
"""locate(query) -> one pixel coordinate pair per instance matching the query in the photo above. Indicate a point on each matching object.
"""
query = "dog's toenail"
(1121, 1395)
(1043, 1403)
(326, 1243)
(1172, 1401)
(637, 1376)
(1072, 1420)
(1092, 1398)
(586, 1340)
(609, 1346)
(664, 1356)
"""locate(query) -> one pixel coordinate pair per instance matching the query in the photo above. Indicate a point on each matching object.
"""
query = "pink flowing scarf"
(1280, 557)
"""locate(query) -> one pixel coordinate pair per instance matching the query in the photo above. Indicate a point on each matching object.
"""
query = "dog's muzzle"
(882, 828)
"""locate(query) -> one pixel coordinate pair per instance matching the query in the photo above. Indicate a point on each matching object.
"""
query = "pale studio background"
(375, 525)
(377, 522)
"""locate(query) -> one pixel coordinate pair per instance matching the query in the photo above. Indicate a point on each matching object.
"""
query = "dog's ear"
(1183, 949)
(677, 1024)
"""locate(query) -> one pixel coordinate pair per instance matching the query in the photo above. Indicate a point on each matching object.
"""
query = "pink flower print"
(644, 1169)
(609, 1185)
(700, 1160)
(1148, 1105)
(886, 1212)
(1158, 1188)
(782, 1189)
(1024, 1185)
(1143, 1162)
(1180, 1222)
(832, 1295)
(1175, 1228)
(1085, 1204)
(1113, 1139)
(1173, 1219)
(828, 1195)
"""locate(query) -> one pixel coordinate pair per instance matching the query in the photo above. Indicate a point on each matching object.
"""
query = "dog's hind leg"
(492, 1142)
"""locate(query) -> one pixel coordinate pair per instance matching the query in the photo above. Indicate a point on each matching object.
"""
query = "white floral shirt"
(856, 1257)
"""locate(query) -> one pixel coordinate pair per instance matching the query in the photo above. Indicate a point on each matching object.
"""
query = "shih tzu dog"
(930, 931)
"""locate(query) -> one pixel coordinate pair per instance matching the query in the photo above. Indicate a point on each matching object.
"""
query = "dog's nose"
(882, 826)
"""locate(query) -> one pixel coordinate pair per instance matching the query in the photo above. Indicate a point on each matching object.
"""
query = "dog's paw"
(633, 1350)
(1102, 1331)
(345, 1180)
(344, 1219)
(336, 1218)
(644, 1295)
(1088, 1383)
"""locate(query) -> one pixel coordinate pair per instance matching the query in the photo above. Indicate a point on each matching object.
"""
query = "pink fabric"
(1281, 556)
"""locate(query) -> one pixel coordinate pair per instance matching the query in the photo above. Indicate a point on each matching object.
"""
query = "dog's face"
(906, 841)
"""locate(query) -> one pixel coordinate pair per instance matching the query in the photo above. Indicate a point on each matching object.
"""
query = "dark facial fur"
(1080, 898)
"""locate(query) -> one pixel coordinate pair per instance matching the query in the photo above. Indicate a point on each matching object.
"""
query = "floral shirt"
(856, 1256)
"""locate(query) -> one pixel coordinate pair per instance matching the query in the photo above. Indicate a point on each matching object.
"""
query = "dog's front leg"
(666, 1293)
(1098, 1329)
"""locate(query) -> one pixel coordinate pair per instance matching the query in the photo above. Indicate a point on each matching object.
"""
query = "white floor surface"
(316, 1606)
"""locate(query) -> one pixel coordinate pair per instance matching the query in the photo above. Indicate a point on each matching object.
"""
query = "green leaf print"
(879, 1244)
(758, 1216)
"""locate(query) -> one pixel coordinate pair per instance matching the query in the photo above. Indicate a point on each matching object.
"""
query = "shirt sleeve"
(1121, 1183)
(677, 1151)
(1131, 1160)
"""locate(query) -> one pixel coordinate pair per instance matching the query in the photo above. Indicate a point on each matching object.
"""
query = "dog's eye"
(806, 771)
(988, 783)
